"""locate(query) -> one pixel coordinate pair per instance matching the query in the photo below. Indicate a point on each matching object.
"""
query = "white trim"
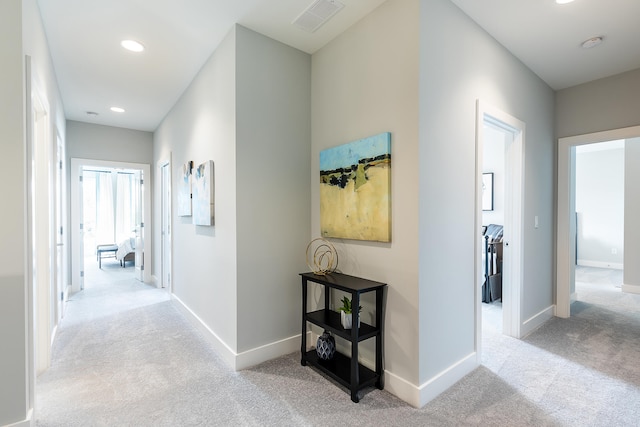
(632, 289)
(245, 359)
(402, 388)
(447, 378)
(537, 320)
(28, 422)
(600, 264)
(565, 220)
(266, 352)
(418, 396)
(513, 274)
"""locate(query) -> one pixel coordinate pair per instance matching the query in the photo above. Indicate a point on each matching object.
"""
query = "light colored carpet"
(125, 356)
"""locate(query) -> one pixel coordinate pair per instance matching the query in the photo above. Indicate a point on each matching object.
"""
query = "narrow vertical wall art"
(203, 196)
(184, 190)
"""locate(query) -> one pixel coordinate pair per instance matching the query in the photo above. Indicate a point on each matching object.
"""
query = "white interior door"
(140, 230)
(165, 172)
(60, 263)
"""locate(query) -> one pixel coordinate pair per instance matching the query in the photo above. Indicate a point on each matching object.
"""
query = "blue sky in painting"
(349, 154)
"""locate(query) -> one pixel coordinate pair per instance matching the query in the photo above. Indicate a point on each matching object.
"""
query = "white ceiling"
(95, 73)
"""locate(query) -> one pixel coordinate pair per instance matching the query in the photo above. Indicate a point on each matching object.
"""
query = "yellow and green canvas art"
(355, 190)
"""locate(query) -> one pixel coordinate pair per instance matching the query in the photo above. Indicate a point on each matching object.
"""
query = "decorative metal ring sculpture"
(325, 257)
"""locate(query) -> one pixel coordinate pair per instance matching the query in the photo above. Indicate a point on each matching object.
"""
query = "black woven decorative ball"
(326, 346)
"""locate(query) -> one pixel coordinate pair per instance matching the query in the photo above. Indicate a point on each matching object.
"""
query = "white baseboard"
(245, 359)
(418, 396)
(536, 321)
(600, 264)
(632, 289)
(28, 422)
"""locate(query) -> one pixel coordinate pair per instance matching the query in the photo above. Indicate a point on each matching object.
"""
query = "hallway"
(124, 355)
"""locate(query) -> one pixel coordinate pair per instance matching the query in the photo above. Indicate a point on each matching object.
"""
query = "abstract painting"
(355, 190)
(184, 190)
(203, 194)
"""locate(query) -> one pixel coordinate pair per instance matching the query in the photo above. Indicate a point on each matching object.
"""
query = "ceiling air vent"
(317, 14)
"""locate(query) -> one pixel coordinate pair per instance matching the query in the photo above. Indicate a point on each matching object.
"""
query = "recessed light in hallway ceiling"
(564, 1)
(592, 42)
(117, 109)
(132, 45)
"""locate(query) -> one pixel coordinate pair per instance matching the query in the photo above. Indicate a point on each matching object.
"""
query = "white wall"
(248, 111)
(202, 126)
(600, 205)
(461, 63)
(366, 82)
(631, 273)
(21, 34)
(493, 161)
(273, 129)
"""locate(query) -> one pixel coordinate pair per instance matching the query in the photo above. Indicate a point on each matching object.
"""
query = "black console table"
(343, 369)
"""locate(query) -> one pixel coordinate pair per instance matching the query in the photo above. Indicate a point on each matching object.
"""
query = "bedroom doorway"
(494, 125)
(566, 256)
(102, 238)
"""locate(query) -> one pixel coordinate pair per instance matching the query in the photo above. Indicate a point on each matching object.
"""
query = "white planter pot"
(345, 319)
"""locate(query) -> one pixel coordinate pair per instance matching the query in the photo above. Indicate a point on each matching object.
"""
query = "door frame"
(514, 211)
(166, 260)
(77, 258)
(566, 202)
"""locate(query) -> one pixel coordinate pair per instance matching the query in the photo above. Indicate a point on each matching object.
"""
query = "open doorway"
(599, 192)
(571, 221)
(503, 137)
(110, 218)
(106, 237)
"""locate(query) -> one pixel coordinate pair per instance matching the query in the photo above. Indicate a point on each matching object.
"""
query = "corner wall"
(459, 64)
(248, 111)
(273, 131)
(365, 82)
(202, 126)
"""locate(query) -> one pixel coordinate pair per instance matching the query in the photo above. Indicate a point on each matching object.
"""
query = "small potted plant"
(346, 313)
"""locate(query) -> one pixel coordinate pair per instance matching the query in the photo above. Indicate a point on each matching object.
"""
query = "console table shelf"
(344, 369)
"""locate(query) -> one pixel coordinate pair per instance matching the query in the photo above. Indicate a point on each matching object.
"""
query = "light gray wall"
(13, 314)
(202, 126)
(366, 82)
(605, 104)
(22, 34)
(600, 202)
(632, 213)
(493, 161)
(273, 134)
(461, 63)
(98, 142)
(248, 110)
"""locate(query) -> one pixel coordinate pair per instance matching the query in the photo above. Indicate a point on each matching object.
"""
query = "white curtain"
(104, 209)
(125, 207)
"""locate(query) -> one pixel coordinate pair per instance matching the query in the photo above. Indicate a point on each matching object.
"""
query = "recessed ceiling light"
(592, 42)
(563, 1)
(117, 109)
(132, 45)
(91, 113)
